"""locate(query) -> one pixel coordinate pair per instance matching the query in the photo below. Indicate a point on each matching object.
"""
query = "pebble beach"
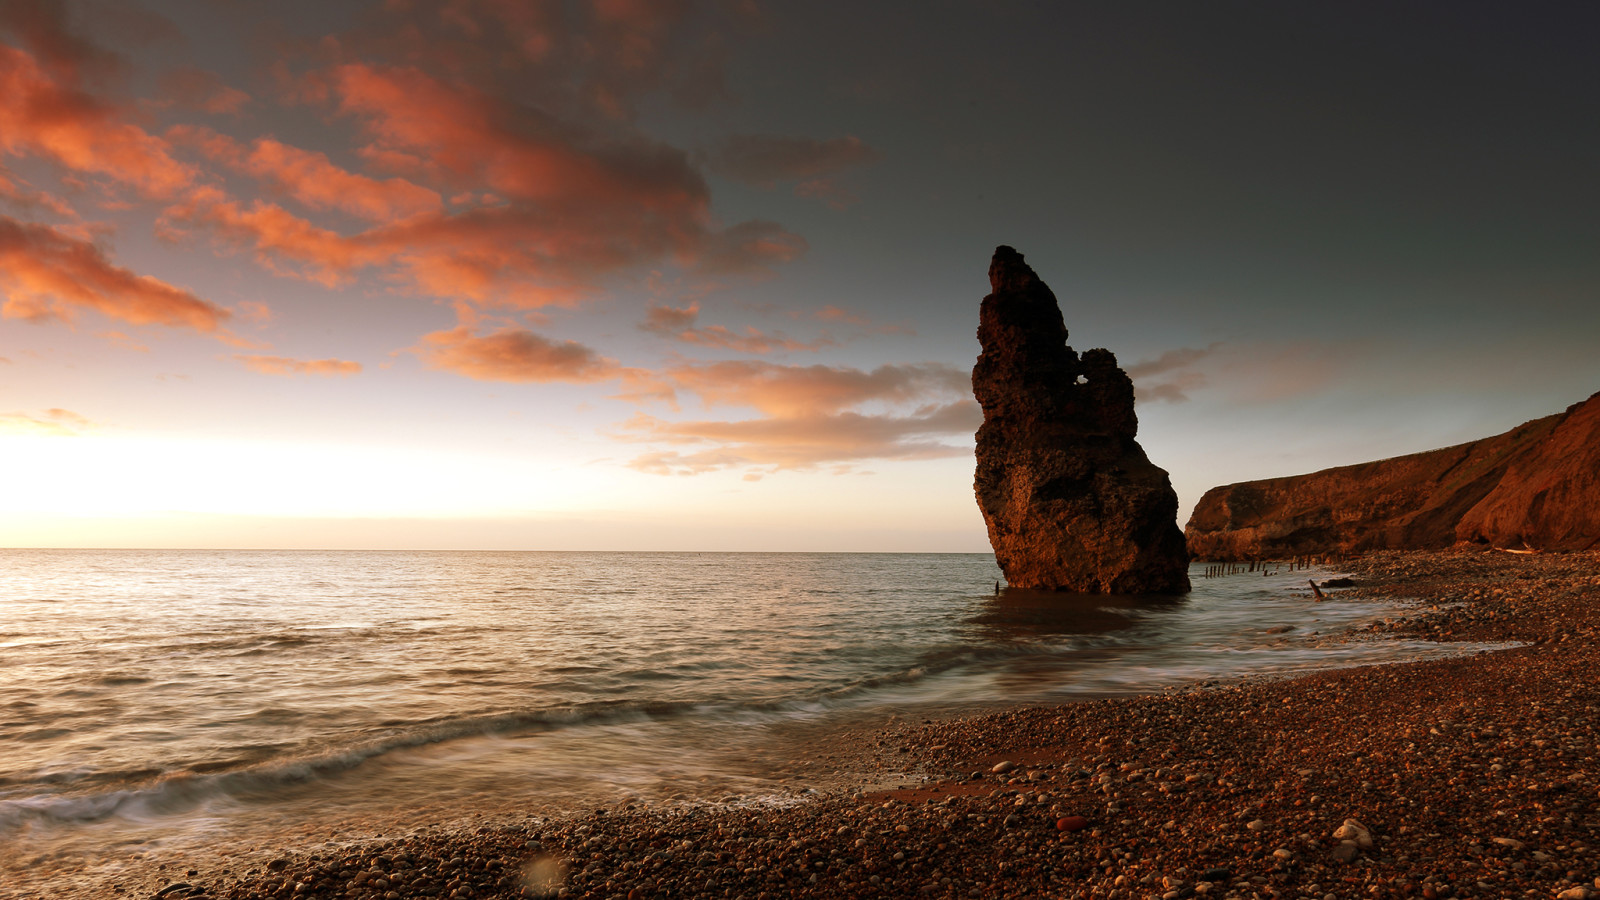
(1466, 777)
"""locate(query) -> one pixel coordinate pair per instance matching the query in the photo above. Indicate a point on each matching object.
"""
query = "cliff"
(1070, 499)
(1535, 486)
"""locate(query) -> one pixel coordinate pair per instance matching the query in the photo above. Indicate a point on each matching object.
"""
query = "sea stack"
(1071, 500)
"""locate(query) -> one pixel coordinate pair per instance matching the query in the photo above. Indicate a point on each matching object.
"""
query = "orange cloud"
(793, 391)
(313, 180)
(47, 274)
(283, 365)
(679, 323)
(42, 117)
(764, 160)
(276, 234)
(54, 422)
(804, 441)
(811, 415)
(564, 206)
(515, 355)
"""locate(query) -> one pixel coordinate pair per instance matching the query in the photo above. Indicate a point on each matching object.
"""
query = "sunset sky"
(705, 276)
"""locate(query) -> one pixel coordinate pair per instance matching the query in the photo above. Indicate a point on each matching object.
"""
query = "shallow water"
(161, 700)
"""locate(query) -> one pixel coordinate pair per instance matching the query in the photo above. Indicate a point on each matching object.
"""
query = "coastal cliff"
(1536, 486)
(1070, 499)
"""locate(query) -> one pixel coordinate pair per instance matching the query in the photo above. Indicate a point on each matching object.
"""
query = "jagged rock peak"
(1008, 271)
(1070, 499)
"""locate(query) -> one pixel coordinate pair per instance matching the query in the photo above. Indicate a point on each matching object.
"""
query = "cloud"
(44, 27)
(196, 88)
(595, 59)
(828, 191)
(259, 313)
(53, 422)
(835, 314)
(283, 365)
(61, 123)
(47, 274)
(804, 441)
(679, 323)
(21, 196)
(1175, 383)
(764, 160)
(277, 235)
(563, 206)
(750, 247)
(312, 179)
(1169, 361)
(794, 391)
(810, 416)
(515, 355)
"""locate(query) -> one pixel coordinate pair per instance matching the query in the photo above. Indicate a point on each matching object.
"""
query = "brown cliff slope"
(1537, 485)
(1071, 500)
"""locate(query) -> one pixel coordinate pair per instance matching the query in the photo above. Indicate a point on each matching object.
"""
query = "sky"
(678, 275)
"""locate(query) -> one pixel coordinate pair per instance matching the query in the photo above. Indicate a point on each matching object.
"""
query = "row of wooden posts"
(1271, 566)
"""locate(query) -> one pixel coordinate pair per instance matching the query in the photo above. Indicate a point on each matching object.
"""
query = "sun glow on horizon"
(123, 476)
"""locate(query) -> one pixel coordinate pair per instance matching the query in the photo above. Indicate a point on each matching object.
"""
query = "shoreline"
(1468, 777)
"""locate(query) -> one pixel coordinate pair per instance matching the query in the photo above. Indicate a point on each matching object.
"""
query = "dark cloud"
(764, 160)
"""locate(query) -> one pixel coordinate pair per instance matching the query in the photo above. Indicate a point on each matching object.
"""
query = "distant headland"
(1535, 487)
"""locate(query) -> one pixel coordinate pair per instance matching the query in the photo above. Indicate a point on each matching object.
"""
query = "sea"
(156, 705)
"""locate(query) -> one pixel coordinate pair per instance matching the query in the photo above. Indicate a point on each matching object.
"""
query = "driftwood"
(1315, 590)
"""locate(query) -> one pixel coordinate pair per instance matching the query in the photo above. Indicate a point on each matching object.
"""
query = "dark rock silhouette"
(1071, 500)
(1536, 486)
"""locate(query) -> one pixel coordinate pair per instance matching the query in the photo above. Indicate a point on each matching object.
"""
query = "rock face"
(1071, 500)
(1535, 486)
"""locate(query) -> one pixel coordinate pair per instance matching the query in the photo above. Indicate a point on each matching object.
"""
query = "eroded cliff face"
(1535, 486)
(1071, 500)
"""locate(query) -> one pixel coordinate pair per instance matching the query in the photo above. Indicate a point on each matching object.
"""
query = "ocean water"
(155, 703)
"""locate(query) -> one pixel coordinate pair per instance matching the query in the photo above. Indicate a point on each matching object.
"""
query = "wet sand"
(1468, 777)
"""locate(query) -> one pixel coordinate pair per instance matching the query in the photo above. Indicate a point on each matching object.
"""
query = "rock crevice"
(1071, 500)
